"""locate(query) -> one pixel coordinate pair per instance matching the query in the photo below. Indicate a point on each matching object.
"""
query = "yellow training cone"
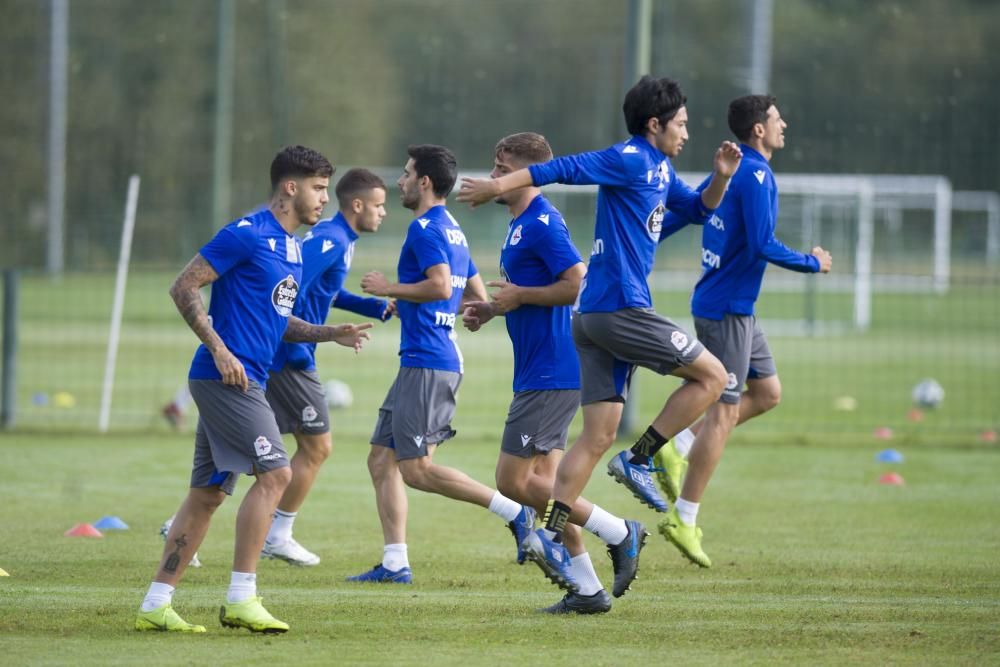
(3, 572)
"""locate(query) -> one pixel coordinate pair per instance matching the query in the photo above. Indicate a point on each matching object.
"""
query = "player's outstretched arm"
(348, 335)
(476, 191)
(724, 164)
(187, 297)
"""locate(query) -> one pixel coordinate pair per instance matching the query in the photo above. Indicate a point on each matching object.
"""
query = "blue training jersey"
(537, 249)
(427, 336)
(327, 251)
(637, 184)
(738, 242)
(260, 270)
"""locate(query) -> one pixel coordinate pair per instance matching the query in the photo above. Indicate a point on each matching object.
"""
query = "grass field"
(815, 564)
(954, 338)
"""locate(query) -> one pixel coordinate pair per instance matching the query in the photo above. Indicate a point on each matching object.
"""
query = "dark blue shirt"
(260, 269)
(637, 184)
(738, 242)
(537, 249)
(327, 251)
(427, 337)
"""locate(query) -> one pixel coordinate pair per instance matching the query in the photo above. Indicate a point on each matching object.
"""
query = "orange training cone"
(892, 479)
(83, 530)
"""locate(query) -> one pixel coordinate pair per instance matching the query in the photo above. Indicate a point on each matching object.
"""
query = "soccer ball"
(928, 394)
(338, 394)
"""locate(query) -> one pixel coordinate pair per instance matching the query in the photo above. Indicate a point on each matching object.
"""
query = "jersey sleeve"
(684, 201)
(758, 217)
(674, 222)
(229, 247)
(317, 265)
(557, 250)
(473, 271)
(604, 167)
(372, 307)
(429, 246)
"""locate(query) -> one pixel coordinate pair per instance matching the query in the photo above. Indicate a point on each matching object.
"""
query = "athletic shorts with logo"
(611, 345)
(236, 434)
(538, 421)
(739, 343)
(417, 411)
(298, 401)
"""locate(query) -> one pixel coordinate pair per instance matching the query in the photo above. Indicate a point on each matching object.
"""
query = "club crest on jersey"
(309, 414)
(515, 236)
(678, 340)
(654, 222)
(731, 381)
(283, 295)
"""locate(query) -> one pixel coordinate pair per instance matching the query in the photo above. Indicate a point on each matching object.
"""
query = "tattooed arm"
(187, 297)
(348, 335)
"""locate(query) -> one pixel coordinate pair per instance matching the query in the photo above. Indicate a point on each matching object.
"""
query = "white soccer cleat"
(291, 552)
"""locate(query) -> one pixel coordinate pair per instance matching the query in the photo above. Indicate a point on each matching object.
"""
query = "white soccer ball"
(928, 394)
(338, 394)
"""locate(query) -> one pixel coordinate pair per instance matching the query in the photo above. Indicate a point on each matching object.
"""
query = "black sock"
(556, 516)
(646, 446)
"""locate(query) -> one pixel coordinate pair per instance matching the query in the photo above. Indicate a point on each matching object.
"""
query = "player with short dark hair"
(294, 389)
(738, 242)
(616, 328)
(255, 268)
(542, 272)
(436, 275)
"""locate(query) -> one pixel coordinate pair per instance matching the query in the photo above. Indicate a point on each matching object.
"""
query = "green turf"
(954, 338)
(815, 564)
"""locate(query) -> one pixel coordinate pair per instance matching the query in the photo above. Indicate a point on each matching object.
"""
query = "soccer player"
(294, 389)
(616, 328)
(542, 272)
(737, 244)
(436, 274)
(255, 267)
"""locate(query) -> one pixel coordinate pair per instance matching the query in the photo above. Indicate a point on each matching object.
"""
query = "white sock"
(281, 527)
(394, 557)
(683, 442)
(504, 507)
(687, 511)
(157, 596)
(581, 569)
(242, 586)
(606, 526)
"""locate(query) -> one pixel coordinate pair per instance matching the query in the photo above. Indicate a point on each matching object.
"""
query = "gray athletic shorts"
(417, 411)
(611, 345)
(538, 421)
(741, 346)
(236, 434)
(298, 401)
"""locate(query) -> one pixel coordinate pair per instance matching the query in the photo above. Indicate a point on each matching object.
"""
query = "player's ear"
(289, 187)
(357, 205)
(653, 125)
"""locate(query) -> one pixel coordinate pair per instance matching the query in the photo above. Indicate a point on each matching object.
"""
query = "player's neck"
(759, 146)
(351, 220)
(427, 203)
(522, 201)
(284, 212)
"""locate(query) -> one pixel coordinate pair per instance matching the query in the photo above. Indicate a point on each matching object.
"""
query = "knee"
(716, 378)
(378, 463)
(316, 448)
(766, 395)
(208, 500)
(415, 475)
(771, 399)
(513, 489)
(276, 480)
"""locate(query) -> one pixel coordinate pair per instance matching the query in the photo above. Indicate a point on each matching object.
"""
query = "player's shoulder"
(541, 214)
(254, 222)
(637, 157)
(754, 172)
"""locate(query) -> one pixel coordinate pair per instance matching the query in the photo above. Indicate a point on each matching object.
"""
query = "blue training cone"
(889, 456)
(110, 523)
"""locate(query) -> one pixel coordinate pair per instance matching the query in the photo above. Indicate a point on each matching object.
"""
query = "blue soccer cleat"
(380, 575)
(636, 479)
(625, 557)
(522, 524)
(551, 557)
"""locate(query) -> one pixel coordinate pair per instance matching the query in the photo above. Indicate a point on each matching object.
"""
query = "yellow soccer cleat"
(164, 619)
(669, 467)
(250, 614)
(684, 537)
